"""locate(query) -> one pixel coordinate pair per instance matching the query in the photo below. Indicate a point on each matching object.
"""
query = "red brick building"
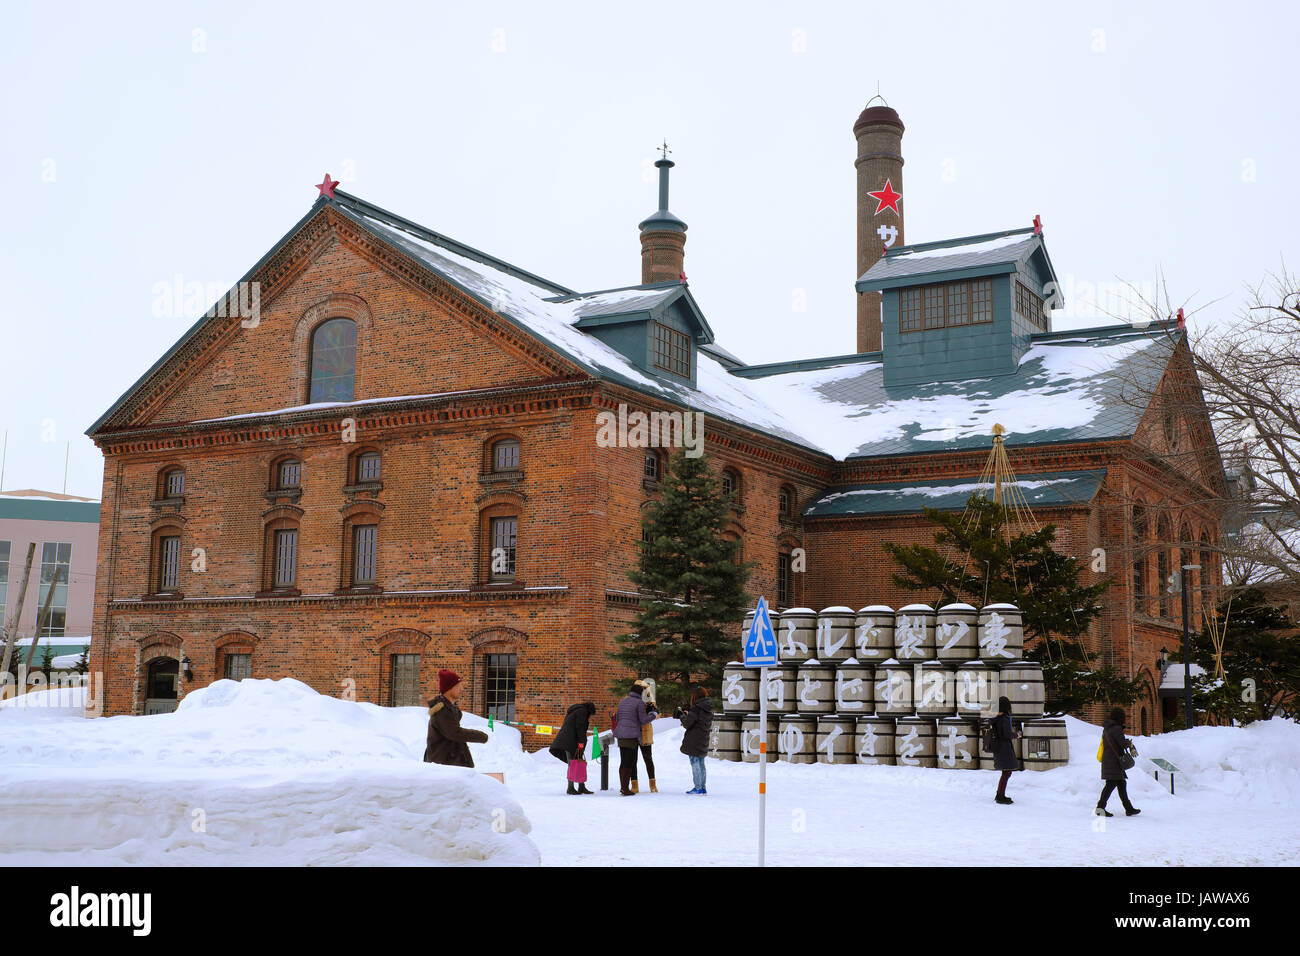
(391, 464)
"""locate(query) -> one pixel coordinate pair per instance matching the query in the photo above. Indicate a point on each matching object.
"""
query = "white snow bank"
(254, 772)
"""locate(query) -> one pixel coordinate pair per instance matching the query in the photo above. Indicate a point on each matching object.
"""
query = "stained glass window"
(333, 361)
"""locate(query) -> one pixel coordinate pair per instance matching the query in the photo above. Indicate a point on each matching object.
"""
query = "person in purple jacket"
(630, 716)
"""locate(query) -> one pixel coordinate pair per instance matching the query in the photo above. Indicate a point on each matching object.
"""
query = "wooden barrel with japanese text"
(956, 633)
(914, 633)
(874, 740)
(914, 742)
(873, 634)
(956, 743)
(1002, 635)
(835, 739)
(835, 635)
(797, 738)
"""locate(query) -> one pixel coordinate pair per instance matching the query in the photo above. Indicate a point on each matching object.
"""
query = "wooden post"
(11, 632)
(44, 615)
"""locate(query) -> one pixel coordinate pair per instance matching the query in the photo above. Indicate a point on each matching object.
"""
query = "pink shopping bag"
(577, 771)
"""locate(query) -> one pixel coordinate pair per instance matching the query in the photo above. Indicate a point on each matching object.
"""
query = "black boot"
(624, 775)
(1102, 812)
(582, 788)
(1131, 811)
(571, 792)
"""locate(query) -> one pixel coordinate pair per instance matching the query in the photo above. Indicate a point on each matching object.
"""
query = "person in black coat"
(1113, 746)
(572, 738)
(1004, 748)
(698, 720)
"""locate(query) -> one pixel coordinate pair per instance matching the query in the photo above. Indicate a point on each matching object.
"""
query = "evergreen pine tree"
(686, 629)
(1261, 664)
(992, 565)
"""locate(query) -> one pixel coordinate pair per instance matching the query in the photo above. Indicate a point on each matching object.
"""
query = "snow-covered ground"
(284, 775)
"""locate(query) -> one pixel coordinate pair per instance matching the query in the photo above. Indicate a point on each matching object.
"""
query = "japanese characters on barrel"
(879, 686)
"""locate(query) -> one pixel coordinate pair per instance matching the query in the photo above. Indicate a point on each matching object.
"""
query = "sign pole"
(762, 763)
(760, 654)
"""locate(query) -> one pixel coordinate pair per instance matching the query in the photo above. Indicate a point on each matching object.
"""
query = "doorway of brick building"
(160, 685)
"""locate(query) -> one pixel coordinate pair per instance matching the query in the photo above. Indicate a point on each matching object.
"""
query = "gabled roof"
(910, 497)
(838, 406)
(637, 303)
(992, 253)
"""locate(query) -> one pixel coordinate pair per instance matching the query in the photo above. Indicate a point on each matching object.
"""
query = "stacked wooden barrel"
(912, 687)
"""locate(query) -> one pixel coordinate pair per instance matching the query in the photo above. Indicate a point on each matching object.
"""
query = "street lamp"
(1187, 647)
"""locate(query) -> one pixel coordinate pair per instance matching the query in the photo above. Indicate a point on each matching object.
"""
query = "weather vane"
(664, 149)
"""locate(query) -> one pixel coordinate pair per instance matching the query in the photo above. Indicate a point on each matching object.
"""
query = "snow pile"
(253, 772)
(51, 701)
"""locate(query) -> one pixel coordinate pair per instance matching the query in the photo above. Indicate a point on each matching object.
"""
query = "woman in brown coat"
(448, 742)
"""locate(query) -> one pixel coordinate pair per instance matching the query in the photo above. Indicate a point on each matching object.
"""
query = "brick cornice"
(459, 596)
(404, 414)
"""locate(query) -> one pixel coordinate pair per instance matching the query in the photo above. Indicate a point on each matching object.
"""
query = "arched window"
(165, 559)
(171, 484)
(785, 502)
(731, 484)
(1140, 531)
(333, 361)
(505, 455)
(653, 469)
(1162, 565)
(365, 467)
(286, 475)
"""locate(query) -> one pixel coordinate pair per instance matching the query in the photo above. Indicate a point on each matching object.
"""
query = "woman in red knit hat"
(448, 742)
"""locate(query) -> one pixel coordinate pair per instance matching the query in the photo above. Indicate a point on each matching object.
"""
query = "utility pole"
(11, 632)
(1187, 646)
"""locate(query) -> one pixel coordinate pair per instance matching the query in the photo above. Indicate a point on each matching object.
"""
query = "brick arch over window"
(340, 305)
(281, 517)
(490, 444)
(161, 490)
(164, 527)
(363, 511)
(232, 642)
(500, 504)
(492, 640)
(405, 641)
(402, 640)
(160, 644)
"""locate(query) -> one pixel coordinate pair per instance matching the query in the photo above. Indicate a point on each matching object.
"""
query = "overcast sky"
(146, 142)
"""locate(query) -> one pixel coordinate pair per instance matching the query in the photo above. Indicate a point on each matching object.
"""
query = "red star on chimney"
(886, 199)
(1038, 225)
(327, 187)
(1182, 321)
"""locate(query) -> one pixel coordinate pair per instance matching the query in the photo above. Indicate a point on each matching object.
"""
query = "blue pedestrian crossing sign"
(760, 642)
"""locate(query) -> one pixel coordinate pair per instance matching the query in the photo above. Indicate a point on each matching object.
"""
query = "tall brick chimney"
(663, 238)
(879, 133)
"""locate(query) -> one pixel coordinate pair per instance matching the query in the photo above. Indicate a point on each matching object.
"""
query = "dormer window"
(945, 305)
(1030, 305)
(672, 350)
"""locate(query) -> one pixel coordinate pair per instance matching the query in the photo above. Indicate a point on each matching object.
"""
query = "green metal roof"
(44, 509)
(945, 494)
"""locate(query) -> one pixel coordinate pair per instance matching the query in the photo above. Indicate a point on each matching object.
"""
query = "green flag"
(491, 718)
(595, 744)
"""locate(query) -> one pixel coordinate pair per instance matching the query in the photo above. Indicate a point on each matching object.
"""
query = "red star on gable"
(886, 199)
(327, 187)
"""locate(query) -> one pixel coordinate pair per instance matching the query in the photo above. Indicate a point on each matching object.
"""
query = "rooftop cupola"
(663, 235)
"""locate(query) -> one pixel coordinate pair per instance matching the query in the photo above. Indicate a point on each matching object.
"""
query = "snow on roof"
(959, 254)
(1172, 677)
(534, 306)
(1061, 391)
(1059, 488)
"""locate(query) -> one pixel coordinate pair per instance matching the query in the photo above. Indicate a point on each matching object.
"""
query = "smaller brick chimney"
(663, 238)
